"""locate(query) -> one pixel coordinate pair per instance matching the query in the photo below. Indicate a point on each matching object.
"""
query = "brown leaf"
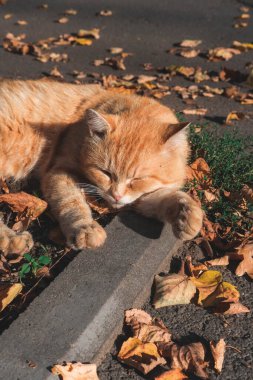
(200, 171)
(95, 33)
(172, 374)
(23, 202)
(55, 72)
(223, 261)
(63, 20)
(105, 13)
(243, 46)
(70, 12)
(245, 254)
(21, 22)
(76, 371)
(190, 43)
(221, 53)
(195, 270)
(189, 358)
(83, 41)
(8, 293)
(172, 289)
(208, 230)
(7, 16)
(230, 308)
(145, 78)
(189, 53)
(142, 356)
(115, 50)
(218, 352)
(247, 193)
(145, 328)
(196, 111)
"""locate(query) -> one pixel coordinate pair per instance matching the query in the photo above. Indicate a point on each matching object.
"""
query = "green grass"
(230, 158)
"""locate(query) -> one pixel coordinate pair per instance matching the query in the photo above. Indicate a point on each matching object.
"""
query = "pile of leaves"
(150, 345)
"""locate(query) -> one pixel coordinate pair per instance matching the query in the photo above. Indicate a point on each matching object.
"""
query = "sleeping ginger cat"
(125, 149)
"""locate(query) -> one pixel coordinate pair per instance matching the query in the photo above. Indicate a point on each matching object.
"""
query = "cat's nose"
(117, 196)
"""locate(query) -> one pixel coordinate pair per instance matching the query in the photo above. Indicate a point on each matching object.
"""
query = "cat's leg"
(177, 208)
(72, 211)
(12, 242)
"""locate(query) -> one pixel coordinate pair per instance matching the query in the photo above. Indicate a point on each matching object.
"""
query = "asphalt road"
(147, 29)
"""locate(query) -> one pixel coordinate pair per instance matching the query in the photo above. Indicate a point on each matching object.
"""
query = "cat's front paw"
(189, 219)
(87, 236)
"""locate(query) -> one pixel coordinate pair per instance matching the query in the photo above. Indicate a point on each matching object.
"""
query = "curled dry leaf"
(218, 351)
(115, 50)
(247, 193)
(8, 293)
(63, 20)
(225, 292)
(172, 374)
(245, 254)
(195, 111)
(96, 206)
(145, 328)
(189, 358)
(23, 202)
(142, 356)
(189, 53)
(243, 46)
(221, 53)
(200, 171)
(206, 284)
(70, 12)
(76, 371)
(55, 72)
(21, 22)
(220, 261)
(83, 41)
(95, 33)
(195, 270)
(190, 43)
(234, 115)
(105, 13)
(226, 308)
(173, 289)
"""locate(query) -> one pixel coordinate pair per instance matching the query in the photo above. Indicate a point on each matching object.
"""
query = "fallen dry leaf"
(142, 356)
(234, 115)
(190, 43)
(226, 308)
(245, 254)
(95, 33)
(221, 53)
(76, 371)
(21, 22)
(63, 20)
(220, 261)
(218, 352)
(55, 72)
(225, 292)
(247, 193)
(105, 13)
(145, 328)
(145, 79)
(206, 284)
(172, 289)
(115, 50)
(7, 16)
(23, 202)
(196, 111)
(8, 293)
(70, 12)
(189, 358)
(83, 41)
(189, 53)
(243, 46)
(172, 374)
(200, 171)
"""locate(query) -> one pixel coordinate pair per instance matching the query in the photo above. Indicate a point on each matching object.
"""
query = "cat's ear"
(175, 132)
(97, 124)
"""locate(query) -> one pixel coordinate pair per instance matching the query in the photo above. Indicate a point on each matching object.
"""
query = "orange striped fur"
(124, 148)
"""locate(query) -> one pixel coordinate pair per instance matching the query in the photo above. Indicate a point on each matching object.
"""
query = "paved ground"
(147, 29)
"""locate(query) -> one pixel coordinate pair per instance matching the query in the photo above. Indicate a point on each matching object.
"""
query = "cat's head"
(133, 146)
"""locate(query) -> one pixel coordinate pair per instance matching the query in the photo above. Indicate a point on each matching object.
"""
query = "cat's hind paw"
(15, 243)
(189, 219)
(87, 236)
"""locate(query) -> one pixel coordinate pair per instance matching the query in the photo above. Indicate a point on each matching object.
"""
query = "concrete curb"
(78, 316)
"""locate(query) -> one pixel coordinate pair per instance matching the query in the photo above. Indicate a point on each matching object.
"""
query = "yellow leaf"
(234, 115)
(225, 292)
(206, 284)
(142, 356)
(8, 293)
(76, 371)
(83, 41)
